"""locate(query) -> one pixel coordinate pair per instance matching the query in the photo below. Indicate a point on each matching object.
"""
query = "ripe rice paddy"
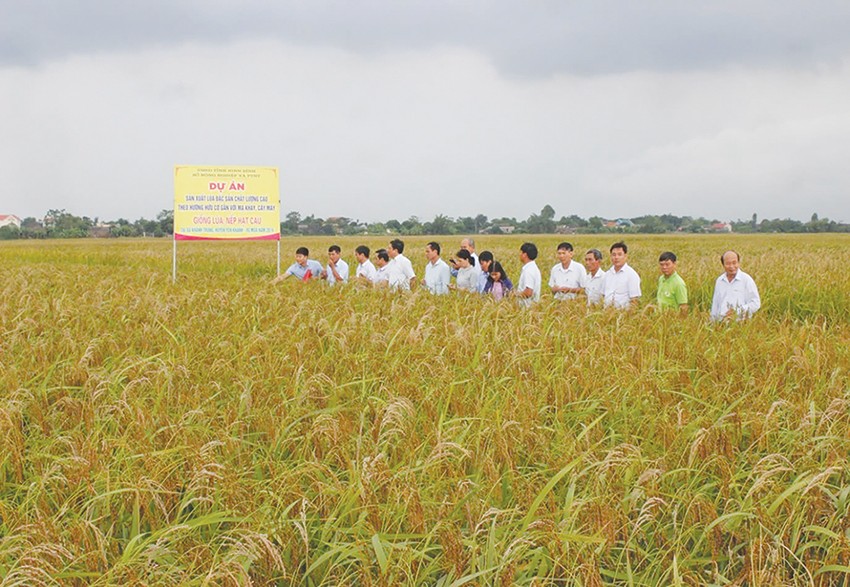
(224, 430)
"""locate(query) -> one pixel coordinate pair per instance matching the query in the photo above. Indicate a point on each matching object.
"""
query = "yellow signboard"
(226, 203)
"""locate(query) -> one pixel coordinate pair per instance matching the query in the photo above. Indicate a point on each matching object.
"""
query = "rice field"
(226, 431)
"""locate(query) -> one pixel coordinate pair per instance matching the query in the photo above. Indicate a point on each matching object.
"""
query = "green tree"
(440, 225)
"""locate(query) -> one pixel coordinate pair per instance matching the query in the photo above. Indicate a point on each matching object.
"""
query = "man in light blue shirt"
(437, 272)
(304, 268)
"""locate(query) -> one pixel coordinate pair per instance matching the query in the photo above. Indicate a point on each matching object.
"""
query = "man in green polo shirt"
(672, 291)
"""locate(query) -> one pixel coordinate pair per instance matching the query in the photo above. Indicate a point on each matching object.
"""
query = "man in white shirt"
(530, 280)
(735, 293)
(337, 270)
(400, 268)
(438, 276)
(595, 284)
(365, 272)
(382, 273)
(622, 283)
(567, 279)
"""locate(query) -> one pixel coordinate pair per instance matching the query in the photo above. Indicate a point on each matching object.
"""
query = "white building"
(10, 220)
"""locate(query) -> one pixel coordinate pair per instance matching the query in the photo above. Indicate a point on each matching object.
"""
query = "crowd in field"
(735, 293)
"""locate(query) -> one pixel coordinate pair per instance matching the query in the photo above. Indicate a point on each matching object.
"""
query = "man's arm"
(634, 291)
(753, 302)
(716, 310)
(412, 275)
(445, 279)
(337, 275)
(283, 275)
(682, 298)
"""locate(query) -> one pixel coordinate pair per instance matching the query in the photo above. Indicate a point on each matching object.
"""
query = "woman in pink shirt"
(498, 283)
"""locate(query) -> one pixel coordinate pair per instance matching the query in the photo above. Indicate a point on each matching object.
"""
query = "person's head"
(497, 273)
(396, 248)
(619, 253)
(592, 260)
(301, 255)
(731, 261)
(485, 259)
(667, 263)
(362, 253)
(464, 259)
(468, 244)
(381, 257)
(565, 253)
(527, 252)
(333, 253)
(432, 251)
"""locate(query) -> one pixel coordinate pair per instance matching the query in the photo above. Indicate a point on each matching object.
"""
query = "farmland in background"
(223, 430)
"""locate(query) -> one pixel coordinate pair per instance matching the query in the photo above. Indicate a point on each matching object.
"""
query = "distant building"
(618, 223)
(721, 227)
(100, 231)
(507, 229)
(10, 220)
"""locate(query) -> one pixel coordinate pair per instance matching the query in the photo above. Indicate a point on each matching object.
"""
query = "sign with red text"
(226, 203)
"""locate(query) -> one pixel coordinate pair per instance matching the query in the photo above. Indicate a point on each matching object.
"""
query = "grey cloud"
(521, 38)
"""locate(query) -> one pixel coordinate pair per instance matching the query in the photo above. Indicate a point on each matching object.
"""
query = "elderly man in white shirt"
(567, 279)
(400, 269)
(735, 293)
(530, 280)
(438, 276)
(622, 283)
(595, 284)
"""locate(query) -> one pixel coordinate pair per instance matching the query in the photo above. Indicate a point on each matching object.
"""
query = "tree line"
(62, 224)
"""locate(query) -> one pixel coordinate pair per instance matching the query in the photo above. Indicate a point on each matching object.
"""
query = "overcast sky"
(387, 109)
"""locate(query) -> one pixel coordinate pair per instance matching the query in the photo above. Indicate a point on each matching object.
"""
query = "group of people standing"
(736, 296)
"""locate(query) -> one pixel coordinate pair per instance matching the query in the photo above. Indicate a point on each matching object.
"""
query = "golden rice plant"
(224, 430)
